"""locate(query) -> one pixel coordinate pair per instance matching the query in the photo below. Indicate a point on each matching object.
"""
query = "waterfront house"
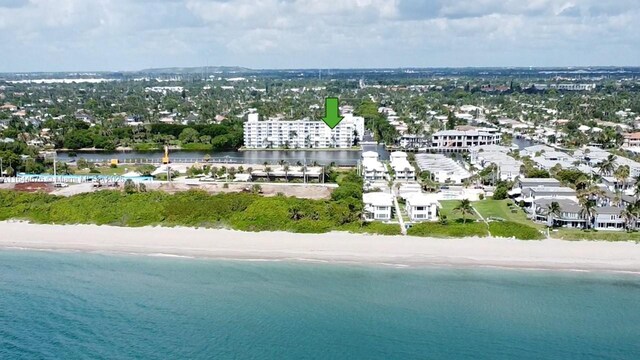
(377, 206)
(422, 207)
(569, 216)
(609, 218)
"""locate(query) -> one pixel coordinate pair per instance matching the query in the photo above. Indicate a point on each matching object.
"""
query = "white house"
(372, 168)
(422, 207)
(401, 167)
(609, 218)
(531, 195)
(377, 206)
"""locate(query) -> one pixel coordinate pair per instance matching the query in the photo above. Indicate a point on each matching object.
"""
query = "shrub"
(512, 229)
(451, 230)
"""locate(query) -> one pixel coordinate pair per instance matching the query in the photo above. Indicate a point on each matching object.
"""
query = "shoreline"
(337, 247)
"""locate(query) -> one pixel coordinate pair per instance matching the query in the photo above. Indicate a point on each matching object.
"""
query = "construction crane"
(165, 158)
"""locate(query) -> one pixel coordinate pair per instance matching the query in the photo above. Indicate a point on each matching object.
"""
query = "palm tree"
(590, 191)
(554, 210)
(588, 211)
(629, 214)
(607, 166)
(617, 198)
(636, 191)
(464, 208)
(622, 175)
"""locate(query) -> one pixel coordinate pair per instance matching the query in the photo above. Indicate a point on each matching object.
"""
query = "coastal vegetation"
(241, 211)
(449, 229)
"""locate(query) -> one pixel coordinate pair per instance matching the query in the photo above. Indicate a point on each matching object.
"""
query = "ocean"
(93, 306)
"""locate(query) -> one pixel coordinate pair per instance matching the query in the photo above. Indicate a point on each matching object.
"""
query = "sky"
(119, 35)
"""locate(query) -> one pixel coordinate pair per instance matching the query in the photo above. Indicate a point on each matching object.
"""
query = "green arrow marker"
(331, 114)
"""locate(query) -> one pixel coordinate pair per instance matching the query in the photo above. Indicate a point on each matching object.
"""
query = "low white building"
(484, 156)
(377, 206)
(422, 207)
(410, 141)
(401, 167)
(442, 169)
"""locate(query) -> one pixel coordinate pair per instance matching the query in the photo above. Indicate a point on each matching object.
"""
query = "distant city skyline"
(129, 35)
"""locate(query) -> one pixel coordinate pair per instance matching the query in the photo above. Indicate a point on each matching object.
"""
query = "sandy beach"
(332, 247)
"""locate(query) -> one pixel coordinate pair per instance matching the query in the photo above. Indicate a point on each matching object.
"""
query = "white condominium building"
(456, 140)
(302, 134)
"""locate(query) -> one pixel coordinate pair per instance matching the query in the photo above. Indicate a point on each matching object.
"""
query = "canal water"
(321, 157)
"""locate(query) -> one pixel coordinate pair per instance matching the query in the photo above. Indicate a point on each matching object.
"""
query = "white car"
(60, 185)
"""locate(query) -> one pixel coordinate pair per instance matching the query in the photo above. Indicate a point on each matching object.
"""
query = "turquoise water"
(71, 306)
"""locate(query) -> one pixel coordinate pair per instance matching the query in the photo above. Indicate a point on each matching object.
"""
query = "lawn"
(577, 235)
(500, 209)
(447, 210)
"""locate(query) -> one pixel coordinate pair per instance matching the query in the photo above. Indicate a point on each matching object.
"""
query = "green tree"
(554, 212)
(587, 211)
(607, 166)
(189, 135)
(130, 187)
(464, 208)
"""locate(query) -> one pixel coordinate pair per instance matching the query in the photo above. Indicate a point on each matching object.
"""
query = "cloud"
(133, 34)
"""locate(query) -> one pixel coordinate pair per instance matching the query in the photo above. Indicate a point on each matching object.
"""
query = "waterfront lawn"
(515, 222)
(592, 235)
(196, 147)
(146, 147)
(500, 209)
(450, 230)
(453, 216)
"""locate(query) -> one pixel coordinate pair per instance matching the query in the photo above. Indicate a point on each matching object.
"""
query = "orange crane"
(165, 158)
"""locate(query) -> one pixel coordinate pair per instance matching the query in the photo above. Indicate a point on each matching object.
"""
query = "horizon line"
(324, 69)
